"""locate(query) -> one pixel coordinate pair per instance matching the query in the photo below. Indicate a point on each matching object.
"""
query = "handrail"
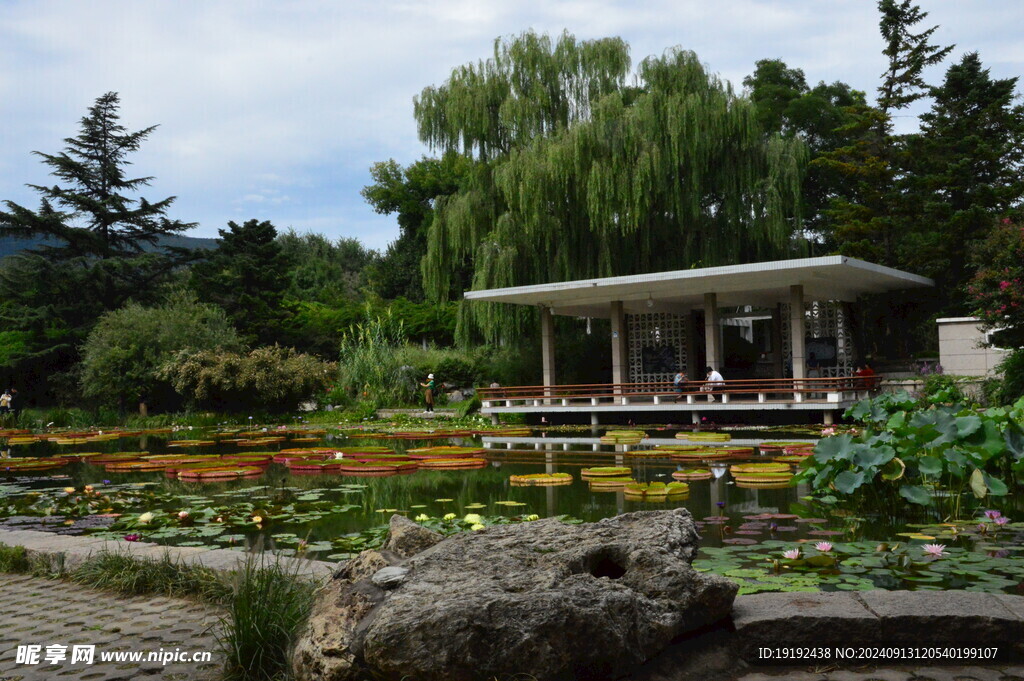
(733, 386)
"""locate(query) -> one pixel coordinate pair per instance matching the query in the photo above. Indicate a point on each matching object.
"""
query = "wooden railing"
(758, 390)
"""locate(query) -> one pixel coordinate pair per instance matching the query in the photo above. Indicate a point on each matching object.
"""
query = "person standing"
(5, 401)
(428, 394)
(714, 381)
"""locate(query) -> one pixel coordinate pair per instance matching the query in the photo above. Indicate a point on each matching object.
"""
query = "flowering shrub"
(997, 288)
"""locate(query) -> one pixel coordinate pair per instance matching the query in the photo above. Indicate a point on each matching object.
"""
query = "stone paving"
(46, 612)
(74, 550)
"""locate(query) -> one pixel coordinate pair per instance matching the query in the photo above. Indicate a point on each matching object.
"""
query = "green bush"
(14, 559)
(1010, 385)
(269, 379)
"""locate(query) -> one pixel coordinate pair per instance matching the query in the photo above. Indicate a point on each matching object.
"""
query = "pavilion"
(790, 319)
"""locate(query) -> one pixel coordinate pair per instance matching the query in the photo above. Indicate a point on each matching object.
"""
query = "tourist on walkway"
(5, 401)
(714, 381)
(428, 394)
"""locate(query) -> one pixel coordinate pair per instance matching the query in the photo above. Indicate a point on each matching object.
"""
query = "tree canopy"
(578, 175)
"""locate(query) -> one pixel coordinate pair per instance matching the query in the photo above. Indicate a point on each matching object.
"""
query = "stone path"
(75, 549)
(46, 612)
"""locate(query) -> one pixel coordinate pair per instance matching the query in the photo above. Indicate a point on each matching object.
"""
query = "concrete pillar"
(690, 329)
(594, 420)
(547, 346)
(620, 358)
(828, 417)
(778, 362)
(797, 330)
(712, 335)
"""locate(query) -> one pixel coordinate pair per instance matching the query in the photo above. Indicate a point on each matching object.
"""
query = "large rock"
(542, 599)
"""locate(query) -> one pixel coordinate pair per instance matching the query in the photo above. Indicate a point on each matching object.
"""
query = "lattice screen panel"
(824, 319)
(655, 330)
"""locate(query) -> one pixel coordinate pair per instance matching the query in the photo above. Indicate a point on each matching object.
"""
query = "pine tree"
(908, 53)
(967, 171)
(98, 245)
(247, 275)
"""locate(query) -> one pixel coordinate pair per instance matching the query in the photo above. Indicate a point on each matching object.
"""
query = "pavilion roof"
(762, 284)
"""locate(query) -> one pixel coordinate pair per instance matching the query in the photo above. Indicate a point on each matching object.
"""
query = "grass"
(269, 605)
(130, 576)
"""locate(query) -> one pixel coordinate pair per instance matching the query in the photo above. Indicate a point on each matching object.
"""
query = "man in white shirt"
(714, 382)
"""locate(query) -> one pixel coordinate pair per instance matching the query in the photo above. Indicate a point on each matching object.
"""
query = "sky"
(277, 110)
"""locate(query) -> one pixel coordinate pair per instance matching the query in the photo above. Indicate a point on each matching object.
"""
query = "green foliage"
(997, 289)
(125, 574)
(909, 54)
(99, 246)
(14, 559)
(410, 193)
(270, 379)
(967, 170)
(368, 368)
(322, 270)
(126, 349)
(1010, 385)
(269, 604)
(579, 176)
(926, 455)
(945, 389)
(247, 275)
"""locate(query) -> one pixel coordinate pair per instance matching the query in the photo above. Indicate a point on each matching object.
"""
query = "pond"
(749, 518)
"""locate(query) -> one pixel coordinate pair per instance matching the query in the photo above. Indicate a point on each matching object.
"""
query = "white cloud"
(280, 108)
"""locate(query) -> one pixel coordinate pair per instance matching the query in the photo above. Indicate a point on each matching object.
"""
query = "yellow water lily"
(477, 526)
(472, 519)
(69, 490)
(145, 518)
(449, 516)
(421, 517)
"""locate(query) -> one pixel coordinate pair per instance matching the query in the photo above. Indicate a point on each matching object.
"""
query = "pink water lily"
(992, 515)
(132, 537)
(1002, 520)
(792, 554)
(936, 550)
(823, 546)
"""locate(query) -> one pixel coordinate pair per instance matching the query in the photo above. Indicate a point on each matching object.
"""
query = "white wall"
(960, 348)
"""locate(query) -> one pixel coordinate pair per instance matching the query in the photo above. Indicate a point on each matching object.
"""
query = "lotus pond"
(329, 493)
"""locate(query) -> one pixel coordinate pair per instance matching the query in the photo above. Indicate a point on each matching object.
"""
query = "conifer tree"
(96, 245)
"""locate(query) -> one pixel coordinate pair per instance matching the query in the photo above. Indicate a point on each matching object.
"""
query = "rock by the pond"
(389, 577)
(407, 538)
(542, 599)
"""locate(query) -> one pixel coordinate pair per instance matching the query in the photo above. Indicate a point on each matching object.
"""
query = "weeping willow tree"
(579, 174)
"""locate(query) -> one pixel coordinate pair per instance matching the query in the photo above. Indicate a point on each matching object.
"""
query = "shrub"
(272, 379)
(124, 352)
(1009, 387)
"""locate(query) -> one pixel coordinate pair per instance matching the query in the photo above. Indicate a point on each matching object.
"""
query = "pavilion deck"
(827, 395)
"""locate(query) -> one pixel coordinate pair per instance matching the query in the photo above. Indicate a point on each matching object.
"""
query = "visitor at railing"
(714, 381)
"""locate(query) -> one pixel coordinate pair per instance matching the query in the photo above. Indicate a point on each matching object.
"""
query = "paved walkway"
(75, 549)
(44, 612)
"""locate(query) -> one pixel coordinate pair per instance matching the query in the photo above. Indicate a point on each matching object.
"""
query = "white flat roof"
(832, 277)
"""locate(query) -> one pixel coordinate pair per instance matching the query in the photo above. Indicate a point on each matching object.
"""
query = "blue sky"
(276, 110)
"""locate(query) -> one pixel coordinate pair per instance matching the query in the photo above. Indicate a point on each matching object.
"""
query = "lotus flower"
(472, 519)
(449, 516)
(145, 518)
(132, 537)
(935, 550)
(992, 515)
(792, 554)
(421, 517)
(823, 546)
(477, 526)
(69, 490)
